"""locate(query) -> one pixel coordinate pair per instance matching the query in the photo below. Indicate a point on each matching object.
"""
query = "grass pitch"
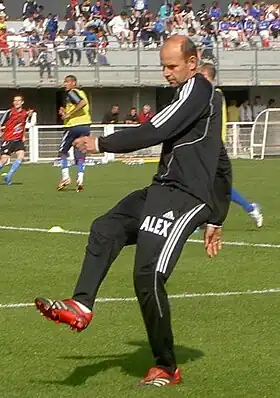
(227, 346)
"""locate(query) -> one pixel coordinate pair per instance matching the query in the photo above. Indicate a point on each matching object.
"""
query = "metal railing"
(44, 141)
(133, 67)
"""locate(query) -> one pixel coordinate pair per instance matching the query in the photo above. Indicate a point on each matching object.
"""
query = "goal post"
(265, 135)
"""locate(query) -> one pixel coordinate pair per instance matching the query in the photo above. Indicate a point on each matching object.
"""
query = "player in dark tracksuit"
(191, 187)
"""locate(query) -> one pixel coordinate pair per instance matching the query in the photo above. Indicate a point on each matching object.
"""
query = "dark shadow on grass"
(13, 183)
(134, 363)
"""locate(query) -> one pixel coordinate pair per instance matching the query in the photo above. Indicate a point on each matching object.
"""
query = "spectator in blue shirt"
(90, 43)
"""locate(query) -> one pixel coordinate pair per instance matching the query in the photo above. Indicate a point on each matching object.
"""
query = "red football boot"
(64, 311)
(159, 377)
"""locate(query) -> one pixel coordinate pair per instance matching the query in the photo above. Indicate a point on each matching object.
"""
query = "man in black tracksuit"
(191, 187)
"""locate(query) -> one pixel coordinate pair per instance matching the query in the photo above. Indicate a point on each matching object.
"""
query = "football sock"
(81, 170)
(16, 164)
(241, 201)
(64, 167)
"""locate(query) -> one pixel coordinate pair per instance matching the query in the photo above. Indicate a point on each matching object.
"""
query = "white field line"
(171, 296)
(227, 243)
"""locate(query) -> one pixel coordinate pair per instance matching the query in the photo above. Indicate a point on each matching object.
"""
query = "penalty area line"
(171, 296)
(69, 232)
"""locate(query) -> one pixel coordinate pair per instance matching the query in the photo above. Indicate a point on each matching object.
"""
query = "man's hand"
(86, 145)
(212, 240)
(62, 113)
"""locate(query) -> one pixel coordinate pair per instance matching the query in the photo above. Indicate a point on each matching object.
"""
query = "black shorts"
(9, 147)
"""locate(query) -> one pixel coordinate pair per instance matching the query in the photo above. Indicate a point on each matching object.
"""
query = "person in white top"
(29, 24)
(245, 112)
(120, 28)
(258, 107)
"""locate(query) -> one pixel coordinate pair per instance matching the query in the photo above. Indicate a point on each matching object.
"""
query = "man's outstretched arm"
(193, 101)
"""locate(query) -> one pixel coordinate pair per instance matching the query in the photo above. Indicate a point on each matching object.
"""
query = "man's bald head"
(179, 59)
(183, 44)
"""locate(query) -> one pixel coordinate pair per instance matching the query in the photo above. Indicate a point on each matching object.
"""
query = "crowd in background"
(92, 25)
(247, 112)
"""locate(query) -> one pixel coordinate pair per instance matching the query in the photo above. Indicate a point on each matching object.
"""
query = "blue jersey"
(275, 24)
(215, 12)
(233, 25)
(224, 26)
(249, 26)
(255, 12)
(240, 25)
(263, 25)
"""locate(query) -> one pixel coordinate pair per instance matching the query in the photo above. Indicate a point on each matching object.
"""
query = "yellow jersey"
(81, 117)
(224, 115)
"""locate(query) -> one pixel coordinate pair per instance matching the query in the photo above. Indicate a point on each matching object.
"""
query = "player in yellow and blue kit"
(77, 121)
(253, 209)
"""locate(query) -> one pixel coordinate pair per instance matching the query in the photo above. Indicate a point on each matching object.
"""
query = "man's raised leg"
(108, 235)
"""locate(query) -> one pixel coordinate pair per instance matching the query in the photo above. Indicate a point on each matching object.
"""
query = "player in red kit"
(13, 135)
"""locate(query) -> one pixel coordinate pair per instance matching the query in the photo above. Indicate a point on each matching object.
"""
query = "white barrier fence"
(244, 140)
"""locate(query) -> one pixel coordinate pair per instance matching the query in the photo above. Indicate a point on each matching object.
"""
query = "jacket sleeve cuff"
(214, 225)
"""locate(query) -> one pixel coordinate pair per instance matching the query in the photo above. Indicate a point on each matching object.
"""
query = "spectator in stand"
(250, 29)
(246, 112)
(233, 114)
(135, 23)
(61, 49)
(52, 26)
(140, 5)
(258, 107)
(112, 117)
(71, 45)
(233, 31)
(145, 114)
(131, 117)
(207, 46)
(215, 14)
(224, 27)
(97, 15)
(29, 7)
(235, 9)
(209, 27)
(196, 39)
(240, 29)
(32, 44)
(275, 27)
(101, 45)
(246, 9)
(90, 44)
(85, 9)
(73, 11)
(29, 23)
(255, 11)
(263, 30)
(4, 48)
(44, 61)
(202, 14)
(147, 33)
(158, 28)
(119, 27)
(165, 11)
(3, 9)
(179, 25)
(108, 12)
